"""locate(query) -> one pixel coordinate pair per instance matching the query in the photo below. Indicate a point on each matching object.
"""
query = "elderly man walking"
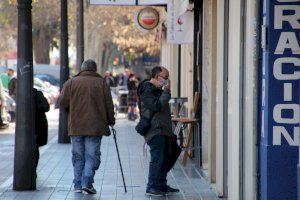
(88, 101)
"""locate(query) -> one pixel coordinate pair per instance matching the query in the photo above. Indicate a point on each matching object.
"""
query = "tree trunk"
(41, 46)
(94, 45)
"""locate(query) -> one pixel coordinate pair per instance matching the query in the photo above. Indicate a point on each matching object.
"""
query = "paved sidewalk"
(7, 144)
(55, 173)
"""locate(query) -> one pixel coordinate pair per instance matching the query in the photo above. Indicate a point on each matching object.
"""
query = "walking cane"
(114, 133)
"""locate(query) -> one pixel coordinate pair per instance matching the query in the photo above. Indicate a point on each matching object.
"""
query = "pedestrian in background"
(154, 97)
(5, 79)
(132, 97)
(41, 125)
(109, 79)
(12, 85)
(2, 107)
(125, 77)
(88, 100)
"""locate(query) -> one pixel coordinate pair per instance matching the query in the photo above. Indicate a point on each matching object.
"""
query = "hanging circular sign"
(148, 18)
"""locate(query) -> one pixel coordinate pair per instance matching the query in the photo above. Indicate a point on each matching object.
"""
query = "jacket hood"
(144, 84)
(88, 73)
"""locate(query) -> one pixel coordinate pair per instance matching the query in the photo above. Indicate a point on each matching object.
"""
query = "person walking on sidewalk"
(88, 101)
(154, 97)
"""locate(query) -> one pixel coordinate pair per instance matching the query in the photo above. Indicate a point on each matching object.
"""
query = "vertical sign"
(180, 28)
(114, 2)
(152, 2)
(129, 2)
(280, 109)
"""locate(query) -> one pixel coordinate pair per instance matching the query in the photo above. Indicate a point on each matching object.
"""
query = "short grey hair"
(89, 65)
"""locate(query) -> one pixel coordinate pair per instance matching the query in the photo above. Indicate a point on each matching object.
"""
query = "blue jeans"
(159, 164)
(85, 159)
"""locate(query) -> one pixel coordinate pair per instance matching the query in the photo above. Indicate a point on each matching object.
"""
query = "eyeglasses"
(166, 78)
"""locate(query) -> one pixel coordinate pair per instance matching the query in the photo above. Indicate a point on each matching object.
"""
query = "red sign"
(148, 18)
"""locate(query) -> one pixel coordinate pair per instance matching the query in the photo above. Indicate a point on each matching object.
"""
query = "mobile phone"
(165, 83)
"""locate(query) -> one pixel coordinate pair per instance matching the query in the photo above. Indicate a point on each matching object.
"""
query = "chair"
(191, 123)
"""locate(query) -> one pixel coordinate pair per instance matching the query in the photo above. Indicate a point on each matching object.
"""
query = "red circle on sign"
(148, 21)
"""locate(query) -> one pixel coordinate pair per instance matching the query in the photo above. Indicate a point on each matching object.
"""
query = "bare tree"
(45, 17)
(46, 21)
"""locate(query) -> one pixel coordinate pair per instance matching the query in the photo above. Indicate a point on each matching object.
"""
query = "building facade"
(246, 67)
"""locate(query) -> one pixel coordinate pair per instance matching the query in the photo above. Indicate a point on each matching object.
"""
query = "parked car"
(51, 92)
(3, 69)
(48, 78)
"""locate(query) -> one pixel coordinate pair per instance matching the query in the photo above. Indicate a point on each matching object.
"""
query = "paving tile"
(108, 197)
(55, 174)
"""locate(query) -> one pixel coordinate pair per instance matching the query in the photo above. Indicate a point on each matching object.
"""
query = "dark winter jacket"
(110, 81)
(12, 88)
(41, 123)
(88, 99)
(154, 100)
(132, 90)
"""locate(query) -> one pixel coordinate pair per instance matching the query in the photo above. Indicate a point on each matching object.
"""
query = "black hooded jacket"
(41, 123)
(155, 101)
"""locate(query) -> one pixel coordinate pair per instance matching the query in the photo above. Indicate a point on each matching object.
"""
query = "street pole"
(24, 171)
(196, 46)
(64, 71)
(80, 35)
(179, 72)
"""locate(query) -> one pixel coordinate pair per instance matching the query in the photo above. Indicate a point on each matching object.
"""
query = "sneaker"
(157, 193)
(170, 190)
(90, 190)
(78, 190)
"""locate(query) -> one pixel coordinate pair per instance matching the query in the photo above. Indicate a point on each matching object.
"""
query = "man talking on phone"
(154, 101)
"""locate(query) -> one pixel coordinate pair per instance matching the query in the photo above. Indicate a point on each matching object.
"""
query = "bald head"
(158, 70)
(160, 77)
(164, 72)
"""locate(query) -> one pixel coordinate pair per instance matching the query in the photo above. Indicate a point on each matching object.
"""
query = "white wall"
(250, 101)
(187, 74)
(219, 99)
(213, 94)
(206, 82)
(234, 100)
(209, 87)
(242, 113)
(169, 59)
(212, 138)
